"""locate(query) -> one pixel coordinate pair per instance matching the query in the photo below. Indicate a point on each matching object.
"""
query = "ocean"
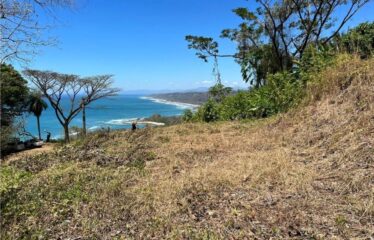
(116, 112)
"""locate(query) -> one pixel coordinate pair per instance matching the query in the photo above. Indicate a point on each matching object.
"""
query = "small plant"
(341, 221)
(210, 111)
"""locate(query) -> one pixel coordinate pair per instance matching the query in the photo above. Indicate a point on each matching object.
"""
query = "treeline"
(281, 48)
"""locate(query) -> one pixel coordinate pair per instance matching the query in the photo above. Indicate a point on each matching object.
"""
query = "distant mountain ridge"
(188, 96)
(147, 92)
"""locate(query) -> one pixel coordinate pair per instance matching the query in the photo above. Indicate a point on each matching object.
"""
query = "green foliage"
(14, 95)
(11, 180)
(205, 46)
(256, 63)
(218, 92)
(359, 40)
(275, 90)
(271, 38)
(236, 106)
(315, 60)
(37, 105)
(209, 112)
(187, 115)
(282, 91)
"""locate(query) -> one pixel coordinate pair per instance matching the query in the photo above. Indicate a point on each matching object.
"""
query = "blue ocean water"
(115, 112)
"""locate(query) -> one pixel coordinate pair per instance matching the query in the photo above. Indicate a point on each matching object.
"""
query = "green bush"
(209, 112)
(282, 91)
(359, 40)
(187, 115)
(236, 106)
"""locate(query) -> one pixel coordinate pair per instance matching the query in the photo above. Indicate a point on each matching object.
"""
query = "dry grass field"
(306, 174)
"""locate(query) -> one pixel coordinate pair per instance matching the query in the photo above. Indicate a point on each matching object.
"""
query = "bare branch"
(21, 32)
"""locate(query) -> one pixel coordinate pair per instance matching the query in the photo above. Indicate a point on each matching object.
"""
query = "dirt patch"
(46, 148)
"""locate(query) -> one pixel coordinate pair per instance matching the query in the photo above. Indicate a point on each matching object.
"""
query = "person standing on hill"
(133, 126)
(48, 136)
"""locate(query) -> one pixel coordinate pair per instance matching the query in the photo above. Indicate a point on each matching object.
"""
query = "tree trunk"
(84, 120)
(38, 122)
(66, 131)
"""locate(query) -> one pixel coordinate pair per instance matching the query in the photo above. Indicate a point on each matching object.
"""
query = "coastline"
(119, 122)
(129, 121)
(180, 105)
(148, 120)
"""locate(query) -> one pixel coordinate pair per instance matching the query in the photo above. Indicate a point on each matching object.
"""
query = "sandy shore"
(178, 104)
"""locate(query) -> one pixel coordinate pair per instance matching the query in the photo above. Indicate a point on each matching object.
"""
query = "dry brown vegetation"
(307, 174)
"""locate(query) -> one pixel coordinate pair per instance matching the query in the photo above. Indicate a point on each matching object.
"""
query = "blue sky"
(142, 42)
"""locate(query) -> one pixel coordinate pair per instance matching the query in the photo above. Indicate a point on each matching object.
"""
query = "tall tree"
(206, 47)
(275, 36)
(14, 93)
(36, 106)
(56, 86)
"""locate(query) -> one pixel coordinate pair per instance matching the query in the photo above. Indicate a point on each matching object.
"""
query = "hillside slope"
(307, 174)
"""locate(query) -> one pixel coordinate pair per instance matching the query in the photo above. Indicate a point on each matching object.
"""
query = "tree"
(359, 40)
(57, 87)
(275, 36)
(206, 48)
(36, 106)
(218, 92)
(21, 30)
(14, 93)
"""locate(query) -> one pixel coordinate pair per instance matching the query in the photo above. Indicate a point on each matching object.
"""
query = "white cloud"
(206, 82)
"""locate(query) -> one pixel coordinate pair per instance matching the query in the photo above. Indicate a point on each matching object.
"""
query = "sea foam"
(128, 121)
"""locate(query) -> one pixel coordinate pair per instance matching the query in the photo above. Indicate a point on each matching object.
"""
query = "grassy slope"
(308, 173)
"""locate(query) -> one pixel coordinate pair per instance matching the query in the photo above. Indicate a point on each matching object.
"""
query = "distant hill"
(162, 91)
(184, 97)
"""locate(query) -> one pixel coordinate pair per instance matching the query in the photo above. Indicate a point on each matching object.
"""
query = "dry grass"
(308, 174)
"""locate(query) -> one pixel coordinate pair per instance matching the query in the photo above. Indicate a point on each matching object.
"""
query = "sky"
(141, 42)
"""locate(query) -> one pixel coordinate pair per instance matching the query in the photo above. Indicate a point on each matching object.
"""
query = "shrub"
(187, 115)
(284, 91)
(281, 92)
(209, 112)
(236, 106)
(359, 40)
